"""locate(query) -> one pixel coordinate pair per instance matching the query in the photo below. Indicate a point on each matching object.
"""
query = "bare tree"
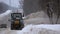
(50, 12)
(53, 10)
(58, 12)
(21, 4)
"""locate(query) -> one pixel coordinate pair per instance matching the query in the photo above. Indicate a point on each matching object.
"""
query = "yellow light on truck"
(17, 22)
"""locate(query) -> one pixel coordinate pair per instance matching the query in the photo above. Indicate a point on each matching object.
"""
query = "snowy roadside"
(35, 29)
(40, 29)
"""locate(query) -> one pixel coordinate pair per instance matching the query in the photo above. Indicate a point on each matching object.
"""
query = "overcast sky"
(14, 3)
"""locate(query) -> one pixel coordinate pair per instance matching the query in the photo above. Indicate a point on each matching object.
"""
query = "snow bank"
(40, 29)
(39, 14)
(34, 29)
(37, 18)
(6, 13)
(4, 17)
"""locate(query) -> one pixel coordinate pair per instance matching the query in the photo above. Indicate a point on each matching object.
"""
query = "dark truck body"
(17, 21)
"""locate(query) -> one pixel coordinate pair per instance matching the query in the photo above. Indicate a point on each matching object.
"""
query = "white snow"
(35, 29)
(40, 29)
(6, 13)
(4, 16)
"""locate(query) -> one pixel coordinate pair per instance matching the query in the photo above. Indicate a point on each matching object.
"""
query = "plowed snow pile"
(34, 29)
(40, 14)
(37, 18)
